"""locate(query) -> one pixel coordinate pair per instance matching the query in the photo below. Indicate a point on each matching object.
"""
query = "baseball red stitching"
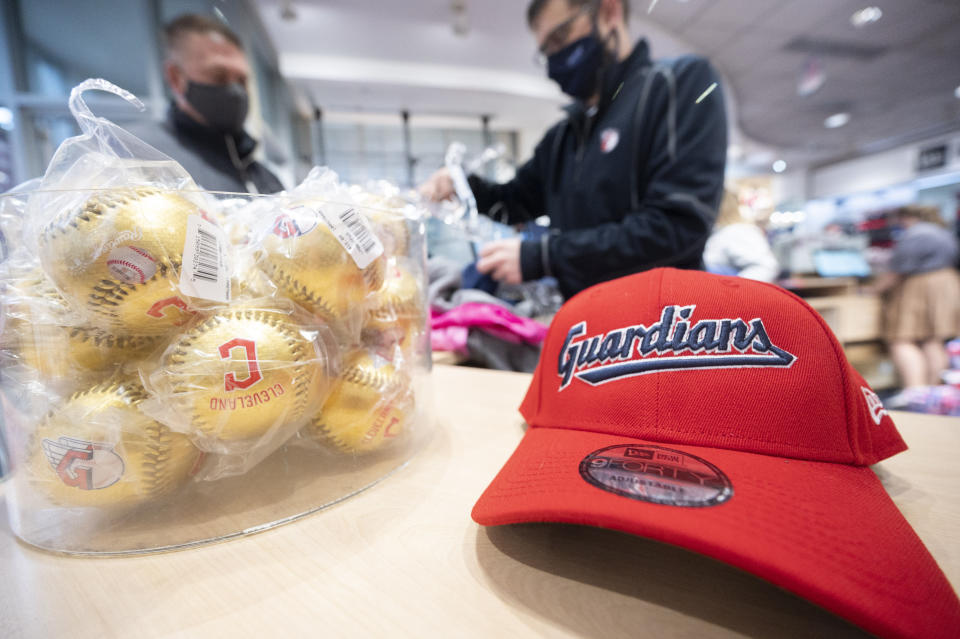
(129, 265)
(141, 252)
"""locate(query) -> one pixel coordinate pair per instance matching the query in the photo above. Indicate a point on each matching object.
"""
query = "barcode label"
(353, 231)
(206, 270)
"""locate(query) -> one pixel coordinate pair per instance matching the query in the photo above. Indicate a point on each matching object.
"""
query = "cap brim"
(827, 532)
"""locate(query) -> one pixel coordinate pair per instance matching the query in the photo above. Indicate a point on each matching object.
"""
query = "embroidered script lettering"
(662, 346)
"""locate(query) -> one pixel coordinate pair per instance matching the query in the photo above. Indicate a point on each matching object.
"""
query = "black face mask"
(224, 107)
(577, 66)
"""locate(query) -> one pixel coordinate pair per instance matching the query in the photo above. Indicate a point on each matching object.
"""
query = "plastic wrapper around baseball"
(370, 407)
(43, 342)
(395, 317)
(112, 221)
(239, 382)
(322, 252)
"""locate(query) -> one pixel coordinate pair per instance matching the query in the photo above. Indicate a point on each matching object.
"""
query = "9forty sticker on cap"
(657, 475)
(639, 349)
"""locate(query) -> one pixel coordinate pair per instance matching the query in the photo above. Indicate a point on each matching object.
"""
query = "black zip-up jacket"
(633, 187)
(216, 161)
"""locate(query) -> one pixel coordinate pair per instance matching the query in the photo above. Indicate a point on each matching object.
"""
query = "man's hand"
(438, 187)
(501, 260)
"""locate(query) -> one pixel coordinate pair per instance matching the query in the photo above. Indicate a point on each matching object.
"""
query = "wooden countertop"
(405, 559)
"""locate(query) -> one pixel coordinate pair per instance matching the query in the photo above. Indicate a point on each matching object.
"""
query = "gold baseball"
(59, 352)
(309, 265)
(37, 333)
(395, 314)
(390, 225)
(241, 373)
(371, 404)
(117, 258)
(99, 449)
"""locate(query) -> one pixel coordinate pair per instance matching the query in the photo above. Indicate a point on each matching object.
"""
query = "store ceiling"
(896, 77)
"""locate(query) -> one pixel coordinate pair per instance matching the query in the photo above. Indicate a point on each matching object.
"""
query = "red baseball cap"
(720, 414)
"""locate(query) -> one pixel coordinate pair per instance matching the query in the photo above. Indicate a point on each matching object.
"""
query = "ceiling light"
(779, 166)
(866, 16)
(956, 92)
(836, 120)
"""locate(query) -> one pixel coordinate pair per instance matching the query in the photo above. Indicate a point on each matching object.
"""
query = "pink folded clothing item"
(449, 329)
(450, 338)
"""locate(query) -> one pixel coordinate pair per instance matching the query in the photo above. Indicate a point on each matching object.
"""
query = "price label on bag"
(205, 272)
(353, 231)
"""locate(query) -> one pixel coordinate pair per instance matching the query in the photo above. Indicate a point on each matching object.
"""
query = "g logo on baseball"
(83, 464)
(230, 381)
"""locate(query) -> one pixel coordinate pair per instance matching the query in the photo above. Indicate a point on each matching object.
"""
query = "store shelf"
(852, 317)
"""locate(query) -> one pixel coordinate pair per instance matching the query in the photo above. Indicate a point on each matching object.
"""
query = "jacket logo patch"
(638, 350)
(609, 139)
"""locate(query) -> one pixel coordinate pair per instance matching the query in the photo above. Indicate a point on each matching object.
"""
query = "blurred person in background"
(923, 296)
(738, 246)
(631, 178)
(207, 73)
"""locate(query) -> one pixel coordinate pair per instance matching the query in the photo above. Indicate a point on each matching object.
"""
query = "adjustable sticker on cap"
(638, 350)
(657, 475)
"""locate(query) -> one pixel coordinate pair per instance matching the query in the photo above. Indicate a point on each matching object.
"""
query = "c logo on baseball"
(159, 309)
(131, 264)
(230, 381)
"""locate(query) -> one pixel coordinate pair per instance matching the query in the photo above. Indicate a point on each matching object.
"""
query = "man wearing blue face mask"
(207, 73)
(631, 179)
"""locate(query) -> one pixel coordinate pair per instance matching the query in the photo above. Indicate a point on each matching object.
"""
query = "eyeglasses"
(557, 38)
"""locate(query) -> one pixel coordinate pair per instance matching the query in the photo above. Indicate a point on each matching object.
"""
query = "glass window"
(65, 43)
(170, 9)
(46, 130)
(7, 176)
(430, 147)
(268, 89)
(359, 152)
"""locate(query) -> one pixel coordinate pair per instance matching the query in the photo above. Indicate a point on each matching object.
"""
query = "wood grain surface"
(404, 559)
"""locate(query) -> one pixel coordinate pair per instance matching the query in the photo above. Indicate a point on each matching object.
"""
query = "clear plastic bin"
(127, 435)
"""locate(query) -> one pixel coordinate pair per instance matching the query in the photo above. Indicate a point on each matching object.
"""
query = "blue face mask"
(576, 67)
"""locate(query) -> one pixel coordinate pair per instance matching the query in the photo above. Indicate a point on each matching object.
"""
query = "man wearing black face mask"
(631, 179)
(207, 73)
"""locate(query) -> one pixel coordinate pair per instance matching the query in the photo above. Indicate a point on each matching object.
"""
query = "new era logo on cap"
(721, 415)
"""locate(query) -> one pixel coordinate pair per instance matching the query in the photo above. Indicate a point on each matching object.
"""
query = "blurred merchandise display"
(933, 400)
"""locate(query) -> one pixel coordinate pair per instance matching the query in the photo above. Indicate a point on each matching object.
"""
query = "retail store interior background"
(840, 111)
